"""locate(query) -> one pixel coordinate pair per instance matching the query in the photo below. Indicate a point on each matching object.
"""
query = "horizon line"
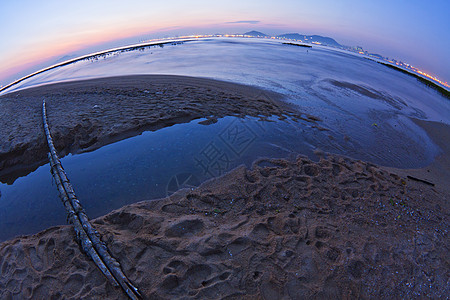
(159, 41)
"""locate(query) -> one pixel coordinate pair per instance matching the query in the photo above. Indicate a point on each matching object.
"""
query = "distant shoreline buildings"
(330, 42)
(290, 37)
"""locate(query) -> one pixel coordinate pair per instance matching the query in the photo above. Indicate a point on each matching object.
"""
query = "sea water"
(365, 110)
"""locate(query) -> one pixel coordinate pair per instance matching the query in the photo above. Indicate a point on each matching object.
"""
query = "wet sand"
(85, 115)
(338, 228)
(292, 229)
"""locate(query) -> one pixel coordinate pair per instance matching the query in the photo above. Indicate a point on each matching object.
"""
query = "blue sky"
(35, 34)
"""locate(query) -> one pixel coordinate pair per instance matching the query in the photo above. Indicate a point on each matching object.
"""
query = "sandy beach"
(89, 114)
(283, 229)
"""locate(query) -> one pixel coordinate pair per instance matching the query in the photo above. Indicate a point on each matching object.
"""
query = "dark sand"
(337, 228)
(85, 115)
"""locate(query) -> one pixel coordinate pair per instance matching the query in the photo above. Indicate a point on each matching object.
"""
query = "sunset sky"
(36, 34)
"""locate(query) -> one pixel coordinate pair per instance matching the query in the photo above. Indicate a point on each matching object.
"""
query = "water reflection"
(365, 110)
(155, 164)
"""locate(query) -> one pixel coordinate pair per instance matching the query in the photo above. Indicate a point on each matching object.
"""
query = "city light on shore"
(82, 27)
(357, 50)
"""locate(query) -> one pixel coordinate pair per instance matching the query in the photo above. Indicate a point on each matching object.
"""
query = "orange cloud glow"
(38, 52)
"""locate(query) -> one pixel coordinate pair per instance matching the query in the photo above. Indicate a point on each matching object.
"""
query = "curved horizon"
(414, 32)
(443, 89)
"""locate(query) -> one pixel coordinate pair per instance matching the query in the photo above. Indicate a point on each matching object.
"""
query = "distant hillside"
(311, 38)
(256, 33)
(300, 37)
(293, 36)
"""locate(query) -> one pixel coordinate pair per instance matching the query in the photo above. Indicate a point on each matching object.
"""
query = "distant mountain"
(292, 36)
(256, 33)
(300, 37)
(311, 38)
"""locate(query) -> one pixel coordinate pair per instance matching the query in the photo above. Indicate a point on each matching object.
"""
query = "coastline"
(444, 91)
(95, 55)
(84, 115)
(438, 172)
(427, 81)
(336, 228)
